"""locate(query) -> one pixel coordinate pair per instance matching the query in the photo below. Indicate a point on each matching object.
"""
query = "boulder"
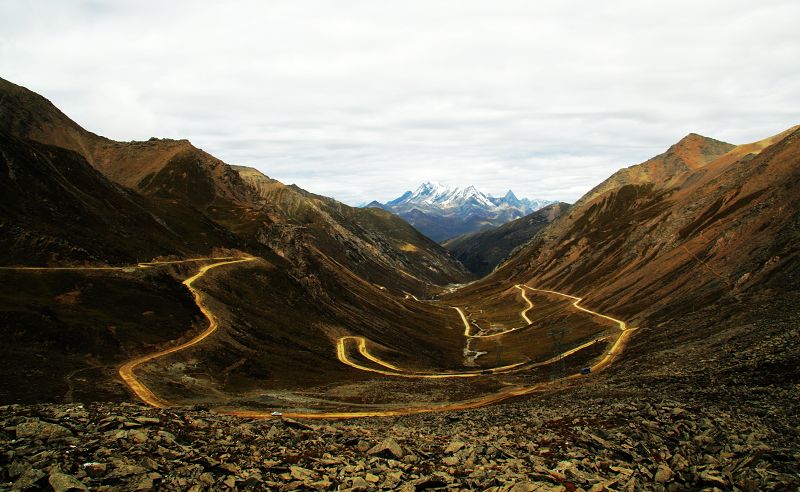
(388, 448)
(41, 430)
(61, 482)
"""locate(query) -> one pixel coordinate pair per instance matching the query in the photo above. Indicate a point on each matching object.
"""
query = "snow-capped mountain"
(442, 212)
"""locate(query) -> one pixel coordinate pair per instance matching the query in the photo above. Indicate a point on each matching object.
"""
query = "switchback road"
(128, 370)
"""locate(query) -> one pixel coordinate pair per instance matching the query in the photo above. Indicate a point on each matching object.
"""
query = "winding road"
(393, 370)
(127, 371)
(138, 266)
(341, 354)
(511, 392)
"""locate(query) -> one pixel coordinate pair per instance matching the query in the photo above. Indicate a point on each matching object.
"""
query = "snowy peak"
(443, 196)
(441, 211)
(431, 193)
(511, 197)
(405, 196)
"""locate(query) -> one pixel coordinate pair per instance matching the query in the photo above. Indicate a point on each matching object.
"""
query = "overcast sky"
(363, 100)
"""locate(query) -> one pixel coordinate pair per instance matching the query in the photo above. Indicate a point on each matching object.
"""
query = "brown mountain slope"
(191, 191)
(56, 208)
(365, 233)
(25, 114)
(707, 271)
(161, 167)
(323, 269)
(649, 247)
(668, 169)
(681, 259)
(481, 251)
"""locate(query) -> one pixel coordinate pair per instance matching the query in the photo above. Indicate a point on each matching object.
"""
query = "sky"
(363, 100)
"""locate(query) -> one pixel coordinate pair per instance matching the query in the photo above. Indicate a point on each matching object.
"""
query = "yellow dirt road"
(511, 392)
(138, 266)
(341, 354)
(523, 314)
(393, 370)
(616, 349)
(126, 372)
(128, 375)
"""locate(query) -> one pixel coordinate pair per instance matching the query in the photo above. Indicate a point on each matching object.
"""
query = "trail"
(393, 370)
(524, 312)
(138, 266)
(341, 354)
(708, 267)
(619, 344)
(126, 371)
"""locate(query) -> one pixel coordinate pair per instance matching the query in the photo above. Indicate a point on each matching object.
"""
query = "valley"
(148, 286)
(354, 351)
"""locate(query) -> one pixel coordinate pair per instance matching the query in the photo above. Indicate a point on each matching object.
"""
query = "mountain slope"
(194, 194)
(442, 212)
(646, 248)
(699, 259)
(481, 251)
(355, 236)
(666, 170)
(706, 270)
(703, 267)
(323, 269)
(57, 208)
(162, 167)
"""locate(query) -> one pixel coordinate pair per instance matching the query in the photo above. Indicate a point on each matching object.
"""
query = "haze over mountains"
(668, 294)
(442, 212)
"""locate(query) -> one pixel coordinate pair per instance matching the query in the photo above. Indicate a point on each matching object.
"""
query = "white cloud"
(363, 100)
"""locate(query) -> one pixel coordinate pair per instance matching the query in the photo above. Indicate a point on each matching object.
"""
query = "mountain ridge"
(679, 276)
(667, 169)
(190, 191)
(321, 269)
(674, 218)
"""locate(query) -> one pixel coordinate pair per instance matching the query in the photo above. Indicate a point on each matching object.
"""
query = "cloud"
(363, 100)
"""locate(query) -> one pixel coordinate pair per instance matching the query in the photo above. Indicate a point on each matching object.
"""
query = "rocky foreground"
(721, 439)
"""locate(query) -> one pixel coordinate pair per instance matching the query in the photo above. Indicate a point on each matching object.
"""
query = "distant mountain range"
(443, 212)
